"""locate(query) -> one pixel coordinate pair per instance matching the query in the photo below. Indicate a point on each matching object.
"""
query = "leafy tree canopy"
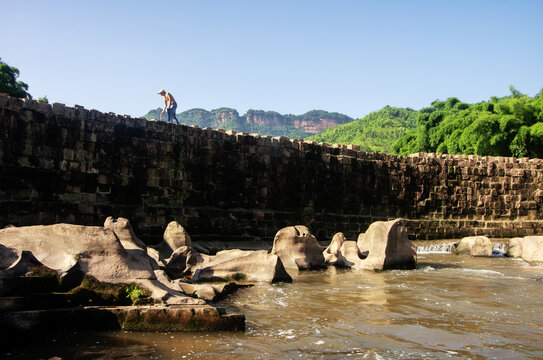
(9, 83)
(507, 126)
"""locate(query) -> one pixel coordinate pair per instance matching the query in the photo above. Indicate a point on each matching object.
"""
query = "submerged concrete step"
(37, 302)
(18, 286)
(132, 318)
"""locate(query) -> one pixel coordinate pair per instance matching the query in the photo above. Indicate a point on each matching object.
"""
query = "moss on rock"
(94, 292)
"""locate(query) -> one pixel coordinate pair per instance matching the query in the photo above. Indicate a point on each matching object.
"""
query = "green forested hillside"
(374, 132)
(507, 126)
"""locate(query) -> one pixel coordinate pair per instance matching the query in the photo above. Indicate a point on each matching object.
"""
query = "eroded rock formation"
(97, 250)
(178, 258)
(385, 245)
(109, 254)
(298, 248)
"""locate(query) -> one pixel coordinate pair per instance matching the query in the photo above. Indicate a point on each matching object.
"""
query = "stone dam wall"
(69, 164)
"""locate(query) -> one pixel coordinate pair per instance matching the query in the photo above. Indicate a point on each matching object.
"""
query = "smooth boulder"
(385, 245)
(175, 236)
(332, 254)
(514, 247)
(474, 246)
(351, 255)
(342, 252)
(529, 248)
(238, 265)
(298, 248)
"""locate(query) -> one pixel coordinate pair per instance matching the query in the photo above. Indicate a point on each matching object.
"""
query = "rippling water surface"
(450, 307)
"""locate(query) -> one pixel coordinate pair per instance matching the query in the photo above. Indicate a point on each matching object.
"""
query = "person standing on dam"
(170, 105)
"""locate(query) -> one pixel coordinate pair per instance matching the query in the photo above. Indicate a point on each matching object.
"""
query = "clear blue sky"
(352, 57)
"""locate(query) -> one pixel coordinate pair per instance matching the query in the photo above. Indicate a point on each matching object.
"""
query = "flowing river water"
(450, 307)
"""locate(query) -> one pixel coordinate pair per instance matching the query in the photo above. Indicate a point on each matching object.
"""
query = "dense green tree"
(507, 126)
(9, 83)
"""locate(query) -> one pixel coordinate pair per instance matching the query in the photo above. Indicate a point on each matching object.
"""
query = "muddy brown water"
(450, 307)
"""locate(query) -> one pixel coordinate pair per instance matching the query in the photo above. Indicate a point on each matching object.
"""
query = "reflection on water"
(450, 307)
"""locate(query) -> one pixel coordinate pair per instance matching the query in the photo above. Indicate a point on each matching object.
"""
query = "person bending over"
(169, 104)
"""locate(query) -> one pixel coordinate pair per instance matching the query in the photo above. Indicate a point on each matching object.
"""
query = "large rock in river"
(298, 248)
(385, 245)
(474, 246)
(238, 265)
(529, 248)
(97, 250)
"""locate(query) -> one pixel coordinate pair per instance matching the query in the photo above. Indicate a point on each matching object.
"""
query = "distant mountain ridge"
(259, 121)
